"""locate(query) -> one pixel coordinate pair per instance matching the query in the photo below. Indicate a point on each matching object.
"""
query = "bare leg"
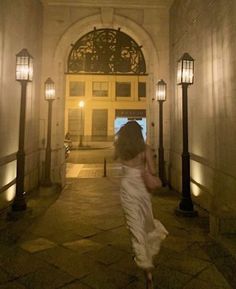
(149, 281)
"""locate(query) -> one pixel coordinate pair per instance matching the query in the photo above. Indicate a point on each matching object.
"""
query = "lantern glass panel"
(179, 72)
(185, 71)
(161, 91)
(24, 66)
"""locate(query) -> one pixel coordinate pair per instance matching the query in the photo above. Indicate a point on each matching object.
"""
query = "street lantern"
(49, 89)
(161, 89)
(49, 95)
(185, 76)
(81, 106)
(24, 66)
(185, 73)
(24, 74)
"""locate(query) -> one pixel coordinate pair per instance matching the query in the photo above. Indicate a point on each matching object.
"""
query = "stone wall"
(206, 29)
(20, 27)
(64, 25)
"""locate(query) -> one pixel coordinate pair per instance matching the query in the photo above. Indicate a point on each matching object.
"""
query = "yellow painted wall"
(110, 102)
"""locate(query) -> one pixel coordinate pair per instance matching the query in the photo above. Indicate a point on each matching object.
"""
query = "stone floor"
(78, 240)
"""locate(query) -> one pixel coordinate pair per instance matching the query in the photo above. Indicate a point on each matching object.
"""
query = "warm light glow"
(81, 104)
(161, 90)
(197, 172)
(195, 190)
(49, 89)
(9, 173)
(7, 177)
(10, 193)
(185, 73)
(24, 66)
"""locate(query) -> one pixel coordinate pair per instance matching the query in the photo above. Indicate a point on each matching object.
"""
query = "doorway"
(99, 124)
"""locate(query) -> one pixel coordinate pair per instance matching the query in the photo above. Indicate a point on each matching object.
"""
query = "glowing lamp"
(49, 89)
(185, 72)
(81, 104)
(24, 66)
(161, 90)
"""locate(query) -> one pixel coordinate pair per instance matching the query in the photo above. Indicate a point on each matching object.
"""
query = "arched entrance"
(106, 82)
(63, 48)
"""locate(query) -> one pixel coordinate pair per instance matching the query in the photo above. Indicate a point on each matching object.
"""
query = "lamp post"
(161, 97)
(24, 74)
(49, 94)
(81, 105)
(185, 76)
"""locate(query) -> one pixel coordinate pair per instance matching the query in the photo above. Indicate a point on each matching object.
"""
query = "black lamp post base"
(19, 205)
(186, 213)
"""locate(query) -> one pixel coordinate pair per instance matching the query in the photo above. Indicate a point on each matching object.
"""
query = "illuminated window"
(100, 88)
(77, 88)
(142, 89)
(123, 89)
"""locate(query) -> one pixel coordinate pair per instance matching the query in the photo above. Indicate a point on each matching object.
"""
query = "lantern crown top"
(186, 56)
(23, 53)
(161, 82)
(49, 81)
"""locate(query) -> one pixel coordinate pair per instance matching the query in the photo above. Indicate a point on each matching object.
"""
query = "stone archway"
(71, 35)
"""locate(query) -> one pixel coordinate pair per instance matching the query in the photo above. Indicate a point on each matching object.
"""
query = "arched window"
(106, 51)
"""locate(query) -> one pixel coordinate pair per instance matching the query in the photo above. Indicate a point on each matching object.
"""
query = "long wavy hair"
(129, 141)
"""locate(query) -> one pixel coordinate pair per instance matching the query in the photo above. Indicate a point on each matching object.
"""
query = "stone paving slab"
(83, 246)
(107, 279)
(213, 276)
(16, 262)
(198, 284)
(167, 278)
(3, 277)
(37, 245)
(46, 278)
(68, 261)
(12, 285)
(76, 285)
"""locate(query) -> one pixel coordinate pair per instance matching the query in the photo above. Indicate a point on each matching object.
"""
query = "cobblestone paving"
(81, 242)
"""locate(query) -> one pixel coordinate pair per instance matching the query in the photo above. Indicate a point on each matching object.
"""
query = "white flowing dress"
(147, 233)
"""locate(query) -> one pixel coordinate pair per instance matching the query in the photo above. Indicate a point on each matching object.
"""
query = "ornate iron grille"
(107, 51)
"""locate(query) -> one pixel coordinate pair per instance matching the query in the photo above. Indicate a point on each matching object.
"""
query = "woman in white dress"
(147, 233)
